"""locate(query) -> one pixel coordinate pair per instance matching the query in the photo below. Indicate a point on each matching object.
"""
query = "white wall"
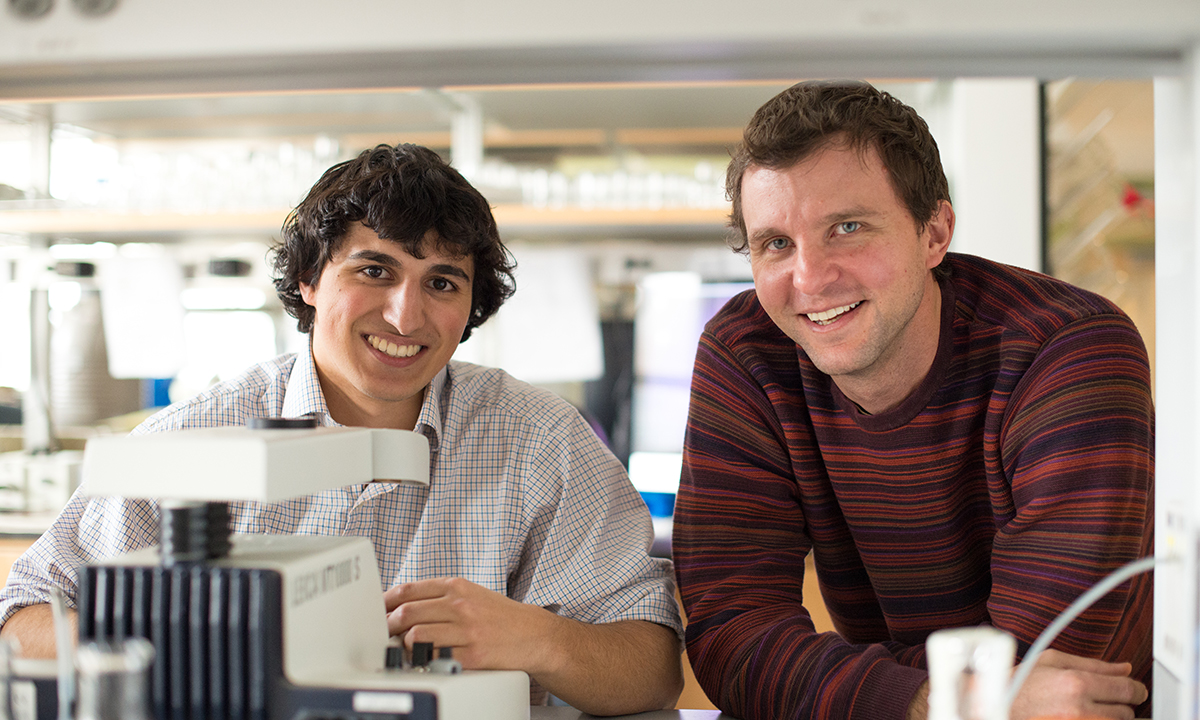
(1177, 453)
(994, 164)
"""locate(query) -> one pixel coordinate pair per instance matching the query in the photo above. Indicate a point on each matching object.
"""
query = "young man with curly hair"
(529, 548)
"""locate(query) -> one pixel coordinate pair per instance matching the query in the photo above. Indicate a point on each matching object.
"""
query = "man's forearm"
(33, 628)
(613, 669)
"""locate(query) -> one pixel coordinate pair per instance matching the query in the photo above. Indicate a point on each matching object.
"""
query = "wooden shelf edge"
(95, 222)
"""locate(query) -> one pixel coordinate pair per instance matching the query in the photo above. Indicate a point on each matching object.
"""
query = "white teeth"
(392, 348)
(827, 316)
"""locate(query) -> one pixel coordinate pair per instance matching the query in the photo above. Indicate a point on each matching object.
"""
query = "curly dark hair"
(402, 193)
(811, 116)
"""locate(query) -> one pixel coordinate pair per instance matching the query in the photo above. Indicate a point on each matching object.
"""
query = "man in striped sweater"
(957, 442)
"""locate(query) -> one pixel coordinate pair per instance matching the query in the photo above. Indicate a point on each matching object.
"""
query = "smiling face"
(841, 268)
(386, 324)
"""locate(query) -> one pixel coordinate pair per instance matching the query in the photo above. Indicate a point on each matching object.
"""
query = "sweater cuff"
(887, 691)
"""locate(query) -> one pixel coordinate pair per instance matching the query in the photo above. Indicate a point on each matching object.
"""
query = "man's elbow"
(669, 671)
(651, 673)
(673, 685)
(32, 628)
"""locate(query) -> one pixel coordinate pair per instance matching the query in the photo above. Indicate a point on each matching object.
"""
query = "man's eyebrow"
(448, 269)
(854, 213)
(375, 257)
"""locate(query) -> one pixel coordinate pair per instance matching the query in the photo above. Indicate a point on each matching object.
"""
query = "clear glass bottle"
(114, 680)
(6, 656)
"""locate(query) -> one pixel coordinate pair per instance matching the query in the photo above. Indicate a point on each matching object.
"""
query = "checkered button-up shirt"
(523, 499)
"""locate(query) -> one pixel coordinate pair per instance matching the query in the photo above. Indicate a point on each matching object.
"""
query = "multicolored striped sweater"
(1017, 475)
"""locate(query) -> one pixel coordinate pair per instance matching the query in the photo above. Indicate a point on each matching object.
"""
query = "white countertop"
(565, 713)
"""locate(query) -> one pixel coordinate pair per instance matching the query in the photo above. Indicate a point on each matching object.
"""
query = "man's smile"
(392, 349)
(827, 316)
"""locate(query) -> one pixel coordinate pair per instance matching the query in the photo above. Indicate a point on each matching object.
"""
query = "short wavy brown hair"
(402, 193)
(811, 116)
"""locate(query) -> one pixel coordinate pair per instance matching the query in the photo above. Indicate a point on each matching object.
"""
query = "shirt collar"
(429, 420)
(304, 397)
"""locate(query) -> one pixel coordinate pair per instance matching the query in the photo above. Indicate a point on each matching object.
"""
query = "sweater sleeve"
(740, 544)
(1076, 445)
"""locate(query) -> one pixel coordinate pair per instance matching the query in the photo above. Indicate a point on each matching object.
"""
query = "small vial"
(114, 680)
(969, 672)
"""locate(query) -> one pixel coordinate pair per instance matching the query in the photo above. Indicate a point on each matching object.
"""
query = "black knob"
(30, 8)
(279, 423)
(75, 269)
(422, 654)
(193, 531)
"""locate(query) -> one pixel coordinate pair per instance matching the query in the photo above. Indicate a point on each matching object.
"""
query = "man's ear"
(308, 293)
(939, 231)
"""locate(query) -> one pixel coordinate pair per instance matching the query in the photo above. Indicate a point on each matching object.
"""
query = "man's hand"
(486, 629)
(1066, 686)
(1069, 686)
(616, 668)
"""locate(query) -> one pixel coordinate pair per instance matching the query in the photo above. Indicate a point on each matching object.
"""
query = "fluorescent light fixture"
(83, 251)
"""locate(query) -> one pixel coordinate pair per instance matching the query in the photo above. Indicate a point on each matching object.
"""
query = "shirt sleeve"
(1077, 448)
(740, 546)
(88, 529)
(586, 555)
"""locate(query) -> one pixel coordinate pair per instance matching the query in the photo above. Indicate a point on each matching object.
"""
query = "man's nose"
(405, 308)
(813, 268)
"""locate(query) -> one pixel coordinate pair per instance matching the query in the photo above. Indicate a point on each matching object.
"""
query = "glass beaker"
(969, 671)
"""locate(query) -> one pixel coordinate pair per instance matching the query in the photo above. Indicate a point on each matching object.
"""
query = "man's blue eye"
(777, 243)
(847, 227)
